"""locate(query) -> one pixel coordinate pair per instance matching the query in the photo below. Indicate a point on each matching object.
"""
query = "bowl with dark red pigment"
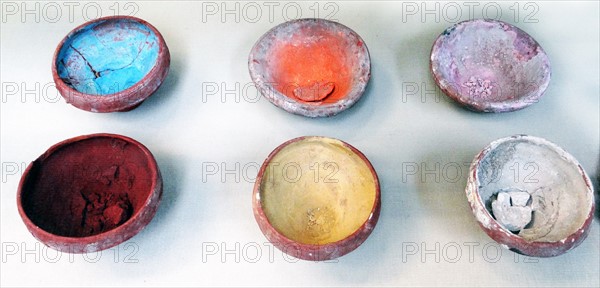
(311, 67)
(531, 196)
(490, 66)
(110, 64)
(316, 198)
(90, 193)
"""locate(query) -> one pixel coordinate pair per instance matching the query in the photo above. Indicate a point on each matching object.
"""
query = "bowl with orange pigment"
(316, 198)
(311, 67)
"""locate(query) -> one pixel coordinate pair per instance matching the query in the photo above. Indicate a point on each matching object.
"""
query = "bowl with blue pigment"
(110, 64)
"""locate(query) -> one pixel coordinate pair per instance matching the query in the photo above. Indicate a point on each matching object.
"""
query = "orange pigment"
(314, 70)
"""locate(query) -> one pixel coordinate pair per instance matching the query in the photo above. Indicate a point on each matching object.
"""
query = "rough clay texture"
(560, 194)
(311, 67)
(490, 66)
(309, 251)
(319, 207)
(87, 188)
(106, 57)
(511, 210)
(110, 64)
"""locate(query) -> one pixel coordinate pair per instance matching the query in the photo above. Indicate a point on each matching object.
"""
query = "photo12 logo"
(236, 92)
(454, 12)
(12, 170)
(452, 172)
(37, 92)
(251, 252)
(271, 11)
(60, 11)
(27, 92)
(291, 172)
(477, 88)
(454, 252)
(26, 252)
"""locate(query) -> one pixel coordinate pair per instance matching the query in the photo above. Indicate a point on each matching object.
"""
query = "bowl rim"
(501, 234)
(305, 251)
(295, 106)
(131, 223)
(515, 104)
(128, 94)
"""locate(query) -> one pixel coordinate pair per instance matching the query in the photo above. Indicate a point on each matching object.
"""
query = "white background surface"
(189, 129)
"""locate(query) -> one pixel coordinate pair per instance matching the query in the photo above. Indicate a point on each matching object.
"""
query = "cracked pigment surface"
(108, 56)
(317, 191)
(87, 187)
(557, 191)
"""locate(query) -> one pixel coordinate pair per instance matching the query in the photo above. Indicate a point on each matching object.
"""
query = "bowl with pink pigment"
(490, 66)
(90, 193)
(311, 67)
(531, 196)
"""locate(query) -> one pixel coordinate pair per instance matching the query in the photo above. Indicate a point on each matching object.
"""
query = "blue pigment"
(107, 57)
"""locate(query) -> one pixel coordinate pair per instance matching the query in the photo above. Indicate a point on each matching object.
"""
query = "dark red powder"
(87, 187)
(102, 211)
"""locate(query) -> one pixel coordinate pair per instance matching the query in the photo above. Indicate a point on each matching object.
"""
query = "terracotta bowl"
(90, 193)
(531, 196)
(316, 198)
(110, 64)
(490, 66)
(311, 67)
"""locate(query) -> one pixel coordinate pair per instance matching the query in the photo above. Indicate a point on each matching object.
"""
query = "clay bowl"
(490, 66)
(90, 193)
(316, 198)
(531, 196)
(311, 67)
(110, 64)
